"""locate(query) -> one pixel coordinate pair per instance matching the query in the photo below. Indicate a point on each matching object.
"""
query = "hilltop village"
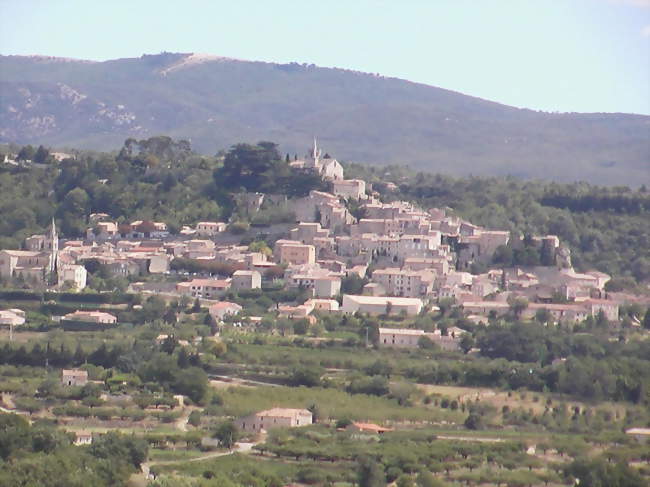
(400, 259)
(324, 332)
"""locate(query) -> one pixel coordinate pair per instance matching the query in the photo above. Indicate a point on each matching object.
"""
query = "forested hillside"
(360, 117)
(159, 179)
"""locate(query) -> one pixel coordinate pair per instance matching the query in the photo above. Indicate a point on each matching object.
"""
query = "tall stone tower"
(54, 249)
(313, 157)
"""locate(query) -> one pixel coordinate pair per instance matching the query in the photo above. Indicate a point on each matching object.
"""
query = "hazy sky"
(554, 55)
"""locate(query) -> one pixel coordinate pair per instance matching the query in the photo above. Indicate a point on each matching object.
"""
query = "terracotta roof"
(74, 372)
(371, 427)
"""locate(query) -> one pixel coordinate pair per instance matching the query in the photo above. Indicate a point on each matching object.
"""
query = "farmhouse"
(99, 317)
(74, 377)
(12, 317)
(274, 418)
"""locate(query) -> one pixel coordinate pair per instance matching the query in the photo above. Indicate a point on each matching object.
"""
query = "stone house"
(327, 286)
(102, 231)
(609, 308)
(306, 232)
(350, 188)
(83, 437)
(99, 317)
(210, 229)
(26, 264)
(409, 338)
(204, 288)
(72, 273)
(246, 280)
(295, 253)
(400, 337)
(74, 377)
(12, 317)
(274, 418)
(400, 282)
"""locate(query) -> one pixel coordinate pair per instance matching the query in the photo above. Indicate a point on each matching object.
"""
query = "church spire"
(314, 152)
(54, 248)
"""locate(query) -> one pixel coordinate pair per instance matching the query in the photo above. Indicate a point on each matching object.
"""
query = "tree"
(192, 382)
(227, 433)
(445, 305)
(597, 473)
(380, 367)
(601, 319)
(170, 316)
(316, 412)
(76, 202)
(14, 434)
(474, 421)
(194, 418)
(41, 155)
(153, 309)
(402, 392)
(306, 376)
(426, 479)
(370, 473)
(425, 343)
(117, 446)
(543, 316)
(518, 305)
(169, 344)
(353, 284)
(343, 423)
(300, 327)
(466, 342)
(404, 481)
(26, 153)
(260, 246)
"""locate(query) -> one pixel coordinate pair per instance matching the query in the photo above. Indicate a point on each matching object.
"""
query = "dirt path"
(470, 438)
(239, 448)
(221, 381)
(181, 422)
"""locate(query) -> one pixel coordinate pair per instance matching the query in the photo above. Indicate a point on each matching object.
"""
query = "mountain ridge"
(361, 117)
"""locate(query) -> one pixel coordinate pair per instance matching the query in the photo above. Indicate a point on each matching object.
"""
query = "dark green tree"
(370, 473)
(227, 434)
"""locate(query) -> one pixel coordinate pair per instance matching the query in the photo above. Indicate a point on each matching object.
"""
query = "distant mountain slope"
(358, 117)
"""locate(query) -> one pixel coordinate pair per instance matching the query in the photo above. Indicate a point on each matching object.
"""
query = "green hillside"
(357, 117)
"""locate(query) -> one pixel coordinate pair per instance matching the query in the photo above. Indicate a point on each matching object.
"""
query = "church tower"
(313, 157)
(54, 248)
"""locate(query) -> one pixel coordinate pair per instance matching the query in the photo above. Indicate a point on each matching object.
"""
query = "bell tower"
(54, 248)
(313, 156)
